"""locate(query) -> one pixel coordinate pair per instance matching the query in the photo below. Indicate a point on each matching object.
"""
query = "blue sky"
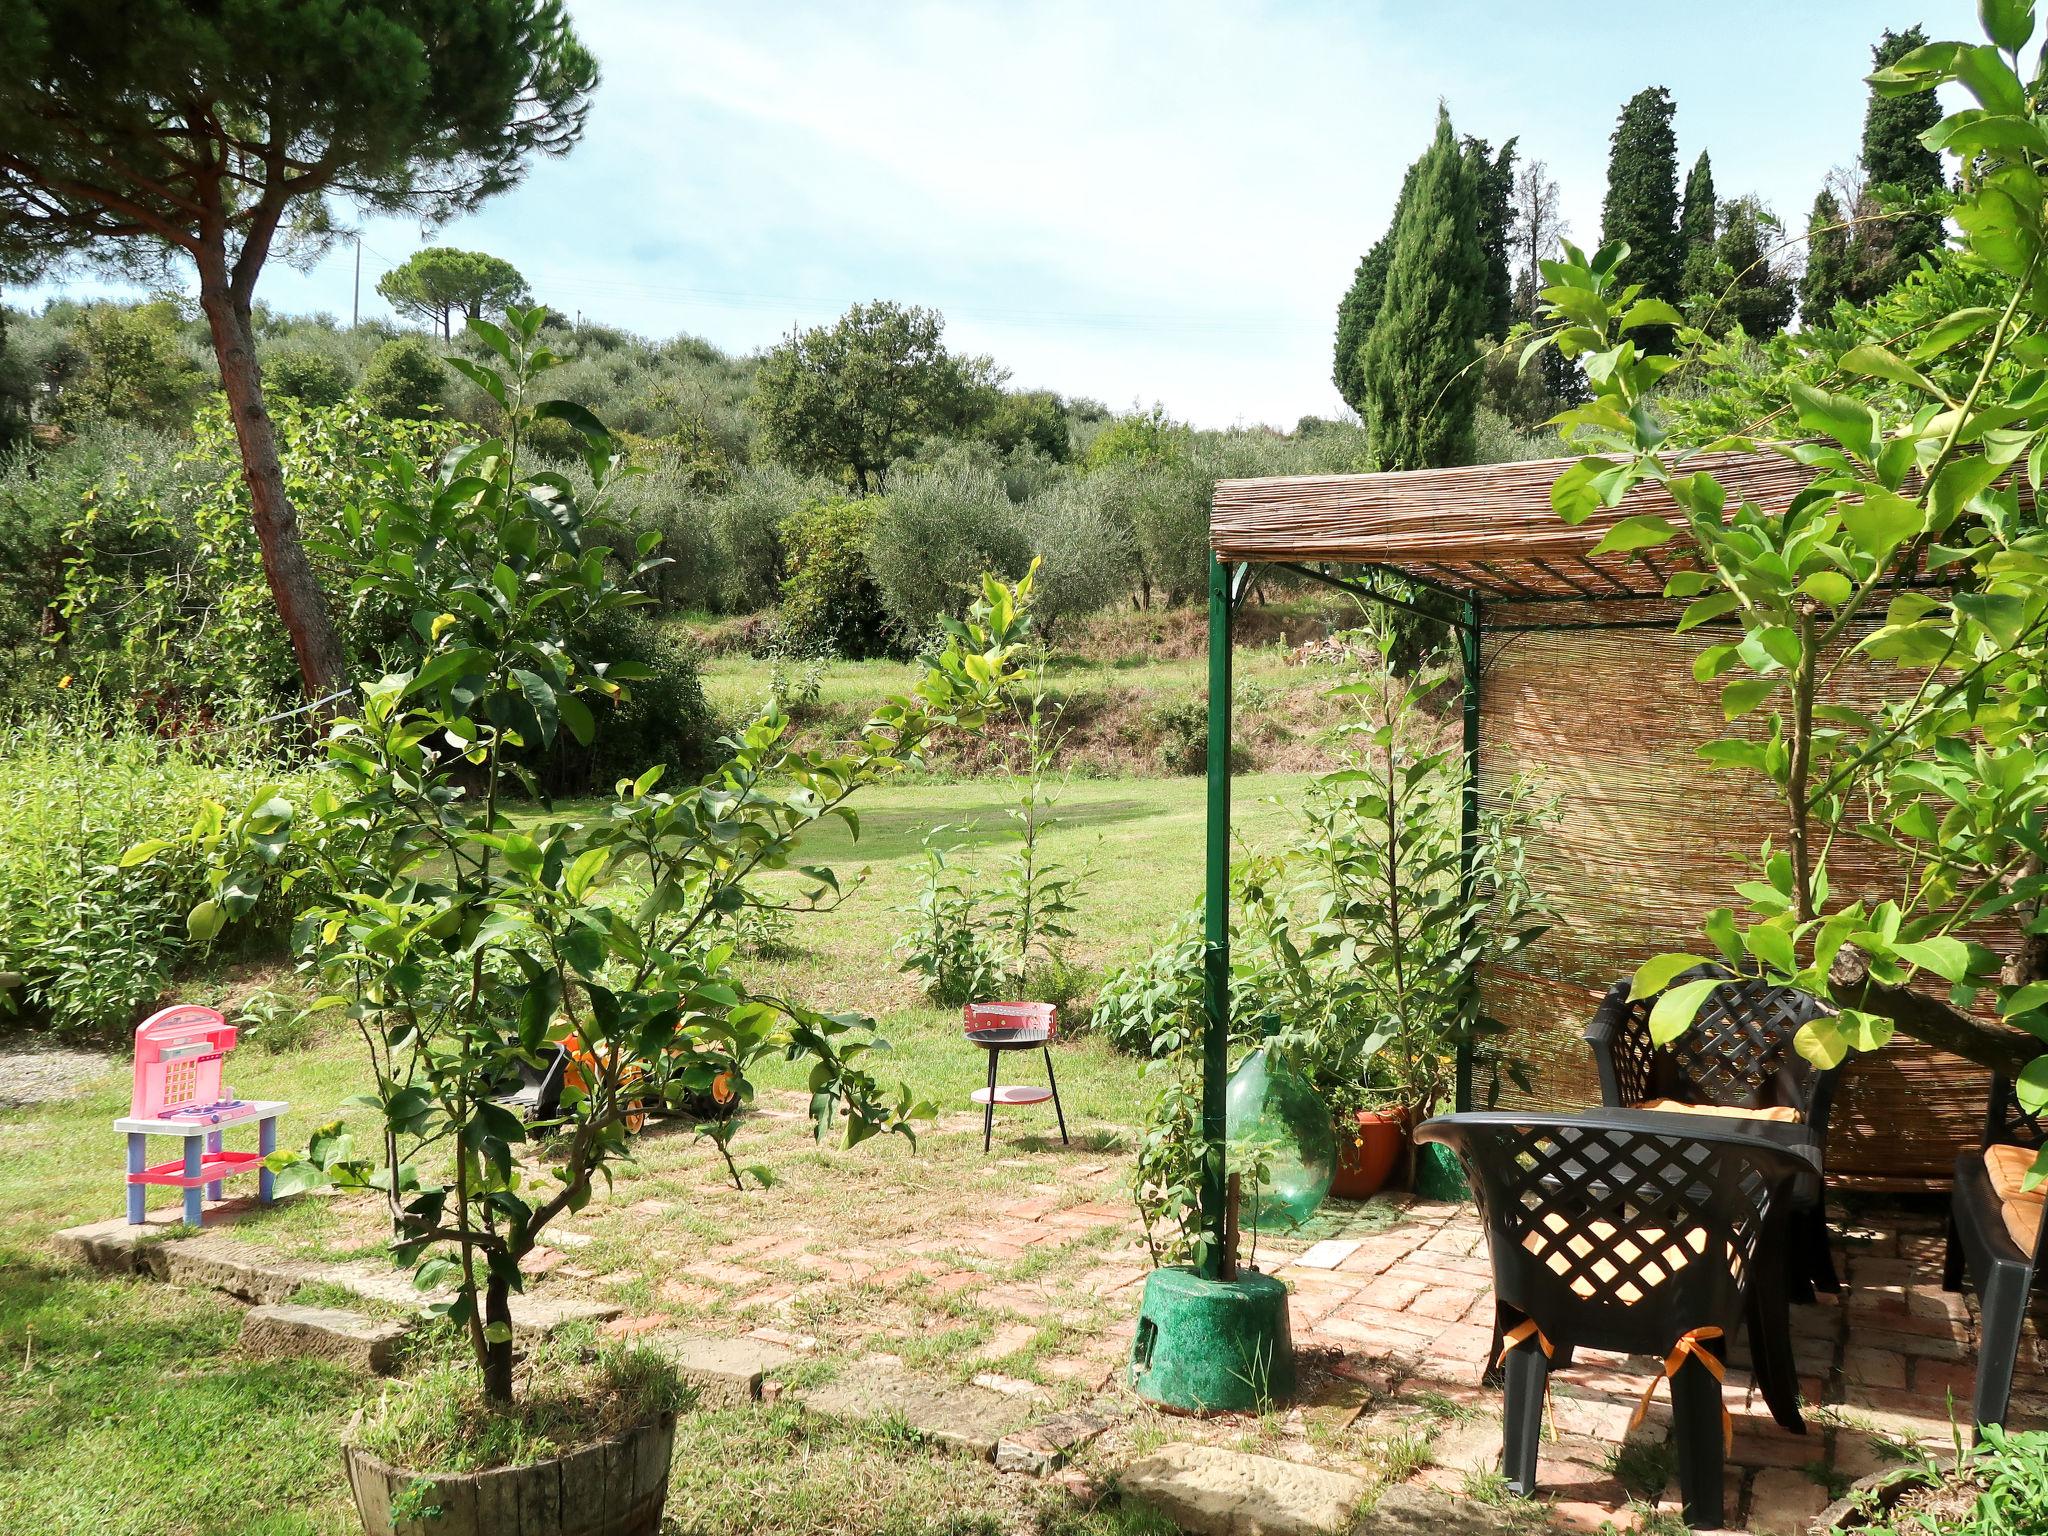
(1135, 202)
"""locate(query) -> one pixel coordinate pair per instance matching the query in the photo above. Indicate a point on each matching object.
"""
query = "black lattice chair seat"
(1997, 1240)
(1738, 1060)
(1640, 1232)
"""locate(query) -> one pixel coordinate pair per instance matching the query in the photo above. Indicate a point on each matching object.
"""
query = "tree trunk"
(498, 1354)
(293, 585)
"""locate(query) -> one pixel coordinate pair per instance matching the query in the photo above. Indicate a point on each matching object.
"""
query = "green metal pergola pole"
(1216, 922)
(1468, 841)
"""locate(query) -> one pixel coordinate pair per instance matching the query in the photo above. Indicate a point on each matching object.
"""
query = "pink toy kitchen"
(180, 1053)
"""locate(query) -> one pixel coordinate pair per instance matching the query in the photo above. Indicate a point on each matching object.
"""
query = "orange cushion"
(1780, 1112)
(2008, 1167)
(1626, 1256)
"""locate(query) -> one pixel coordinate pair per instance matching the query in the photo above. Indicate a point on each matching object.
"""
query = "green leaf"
(1882, 363)
(1709, 607)
(2003, 615)
(1830, 587)
(585, 869)
(1948, 958)
(2032, 1085)
(1882, 521)
(1772, 946)
(1849, 422)
(1951, 330)
(1676, 1007)
(1745, 693)
(1658, 972)
(582, 420)
(205, 921)
(2008, 23)
(144, 851)
(1650, 312)
(1645, 531)
(1956, 487)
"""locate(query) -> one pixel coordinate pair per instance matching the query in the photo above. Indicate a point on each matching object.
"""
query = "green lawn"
(125, 1409)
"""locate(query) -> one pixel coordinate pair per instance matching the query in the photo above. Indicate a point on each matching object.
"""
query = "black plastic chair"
(1982, 1250)
(1627, 1230)
(539, 1094)
(1739, 1054)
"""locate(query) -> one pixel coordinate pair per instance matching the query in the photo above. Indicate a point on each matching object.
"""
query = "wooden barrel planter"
(615, 1487)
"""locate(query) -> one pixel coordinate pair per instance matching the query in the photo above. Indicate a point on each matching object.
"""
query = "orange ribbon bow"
(1521, 1333)
(1691, 1346)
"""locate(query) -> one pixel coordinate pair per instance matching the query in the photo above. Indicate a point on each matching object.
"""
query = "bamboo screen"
(1646, 843)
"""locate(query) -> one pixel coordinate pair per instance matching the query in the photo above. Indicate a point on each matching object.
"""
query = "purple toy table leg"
(266, 1143)
(195, 1204)
(138, 1159)
(213, 1190)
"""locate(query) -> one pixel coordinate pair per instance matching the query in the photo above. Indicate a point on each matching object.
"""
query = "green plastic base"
(1437, 1174)
(1210, 1346)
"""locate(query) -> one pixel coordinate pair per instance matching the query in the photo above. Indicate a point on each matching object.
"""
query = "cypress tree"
(1897, 169)
(1830, 263)
(1697, 226)
(1417, 364)
(1356, 312)
(1697, 218)
(1360, 305)
(1750, 289)
(1642, 198)
(1493, 176)
(1893, 155)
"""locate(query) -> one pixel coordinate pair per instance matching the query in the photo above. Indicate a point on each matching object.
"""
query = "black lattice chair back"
(1739, 1052)
(1616, 1229)
(2005, 1121)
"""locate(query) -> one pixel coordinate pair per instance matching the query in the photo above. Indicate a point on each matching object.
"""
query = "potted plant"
(1383, 926)
(463, 945)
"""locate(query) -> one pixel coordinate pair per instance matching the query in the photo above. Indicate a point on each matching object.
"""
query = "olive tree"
(207, 134)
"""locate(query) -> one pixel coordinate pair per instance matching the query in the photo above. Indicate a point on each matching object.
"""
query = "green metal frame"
(1227, 584)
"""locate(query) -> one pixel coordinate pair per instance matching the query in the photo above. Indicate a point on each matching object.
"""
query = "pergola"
(1487, 539)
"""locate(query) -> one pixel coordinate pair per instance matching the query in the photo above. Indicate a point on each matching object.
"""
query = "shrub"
(668, 501)
(830, 603)
(1153, 1006)
(91, 940)
(1183, 729)
(946, 942)
(664, 719)
(299, 373)
(1085, 554)
(405, 381)
(42, 496)
(938, 532)
(746, 528)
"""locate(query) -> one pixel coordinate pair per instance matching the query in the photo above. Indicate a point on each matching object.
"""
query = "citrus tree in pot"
(464, 947)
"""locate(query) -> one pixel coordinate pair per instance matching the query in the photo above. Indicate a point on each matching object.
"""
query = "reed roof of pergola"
(1486, 532)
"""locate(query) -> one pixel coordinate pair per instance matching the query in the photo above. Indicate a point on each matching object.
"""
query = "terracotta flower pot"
(616, 1487)
(1367, 1151)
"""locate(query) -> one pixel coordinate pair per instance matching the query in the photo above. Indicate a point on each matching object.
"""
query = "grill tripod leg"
(988, 1110)
(1061, 1114)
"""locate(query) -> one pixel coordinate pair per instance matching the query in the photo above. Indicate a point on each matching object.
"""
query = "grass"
(126, 1410)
